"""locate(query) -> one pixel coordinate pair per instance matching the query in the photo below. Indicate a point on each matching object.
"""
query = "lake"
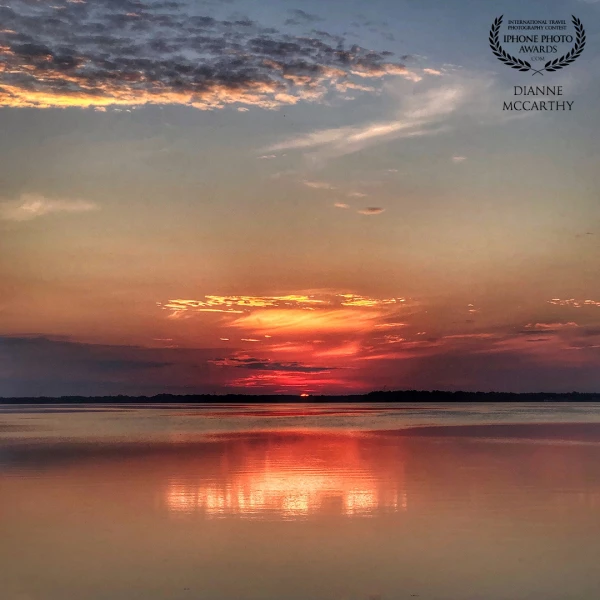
(300, 502)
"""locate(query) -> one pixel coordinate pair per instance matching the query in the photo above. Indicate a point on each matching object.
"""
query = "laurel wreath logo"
(551, 65)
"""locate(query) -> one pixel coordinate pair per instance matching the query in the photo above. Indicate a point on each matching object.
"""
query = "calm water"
(300, 502)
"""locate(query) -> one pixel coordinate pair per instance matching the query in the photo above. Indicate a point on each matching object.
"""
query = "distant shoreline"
(409, 396)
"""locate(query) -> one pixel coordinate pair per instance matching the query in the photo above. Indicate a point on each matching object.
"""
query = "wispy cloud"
(319, 185)
(31, 206)
(432, 72)
(424, 109)
(422, 115)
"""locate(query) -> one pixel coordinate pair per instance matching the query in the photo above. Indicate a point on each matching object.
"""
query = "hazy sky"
(292, 196)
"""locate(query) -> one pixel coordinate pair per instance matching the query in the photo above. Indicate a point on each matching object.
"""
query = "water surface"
(302, 502)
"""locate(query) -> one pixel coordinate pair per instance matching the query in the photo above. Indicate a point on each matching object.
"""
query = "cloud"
(265, 364)
(43, 366)
(128, 53)
(458, 159)
(422, 109)
(319, 185)
(30, 206)
(371, 210)
(301, 17)
(241, 304)
(574, 303)
(420, 116)
(341, 205)
(549, 326)
(299, 322)
(380, 340)
(296, 327)
(321, 301)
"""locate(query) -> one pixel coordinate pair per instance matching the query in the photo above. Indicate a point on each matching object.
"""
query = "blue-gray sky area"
(302, 197)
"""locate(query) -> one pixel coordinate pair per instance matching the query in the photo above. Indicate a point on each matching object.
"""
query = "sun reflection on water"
(293, 479)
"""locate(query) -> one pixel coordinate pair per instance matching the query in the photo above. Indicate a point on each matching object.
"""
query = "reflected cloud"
(295, 476)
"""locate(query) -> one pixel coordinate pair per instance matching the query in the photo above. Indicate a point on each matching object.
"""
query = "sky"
(293, 197)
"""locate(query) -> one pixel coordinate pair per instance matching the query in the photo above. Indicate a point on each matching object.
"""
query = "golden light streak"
(259, 94)
(241, 304)
(546, 326)
(355, 300)
(390, 325)
(574, 303)
(393, 339)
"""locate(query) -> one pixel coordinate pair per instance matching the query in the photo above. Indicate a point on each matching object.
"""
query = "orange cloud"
(356, 300)
(299, 322)
(241, 304)
(237, 304)
(296, 338)
(546, 326)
